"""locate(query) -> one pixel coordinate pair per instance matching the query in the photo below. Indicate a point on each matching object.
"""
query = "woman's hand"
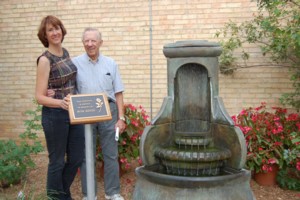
(65, 102)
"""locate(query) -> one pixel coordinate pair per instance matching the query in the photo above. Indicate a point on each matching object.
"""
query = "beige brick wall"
(125, 25)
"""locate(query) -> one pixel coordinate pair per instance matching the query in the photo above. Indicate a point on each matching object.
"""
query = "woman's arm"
(42, 78)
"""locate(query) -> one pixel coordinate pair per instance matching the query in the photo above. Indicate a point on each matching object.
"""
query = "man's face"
(92, 43)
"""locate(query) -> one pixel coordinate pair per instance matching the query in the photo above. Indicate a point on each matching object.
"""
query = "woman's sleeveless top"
(62, 77)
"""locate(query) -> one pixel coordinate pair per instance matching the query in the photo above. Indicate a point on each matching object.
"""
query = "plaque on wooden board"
(89, 108)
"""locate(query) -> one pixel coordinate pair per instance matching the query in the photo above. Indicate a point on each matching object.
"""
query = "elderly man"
(96, 74)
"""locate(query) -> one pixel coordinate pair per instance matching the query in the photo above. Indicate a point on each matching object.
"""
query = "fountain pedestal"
(192, 150)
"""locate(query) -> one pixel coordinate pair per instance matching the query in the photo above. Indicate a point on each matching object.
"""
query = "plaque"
(89, 108)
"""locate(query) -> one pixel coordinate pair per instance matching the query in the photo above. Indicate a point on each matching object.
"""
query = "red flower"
(243, 112)
(264, 168)
(129, 140)
(298, 166)
(140, 132)
(258, 108)
(140, 161)
(135, 123)
(123, 160)
(127, 166)
(292, 117)
(145, 117)
(298, 125)
(247, 129)
(271, 161)
(277, 143)
(270, 136)
(131, 107)
(134, 138)
(234, 119)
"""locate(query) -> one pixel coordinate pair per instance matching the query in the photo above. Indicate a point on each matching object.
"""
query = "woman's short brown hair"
(42, 29)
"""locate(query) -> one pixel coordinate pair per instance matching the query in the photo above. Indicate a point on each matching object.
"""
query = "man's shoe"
(85, 198)
(114, 197)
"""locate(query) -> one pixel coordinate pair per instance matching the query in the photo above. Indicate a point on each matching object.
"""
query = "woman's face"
(53, 34)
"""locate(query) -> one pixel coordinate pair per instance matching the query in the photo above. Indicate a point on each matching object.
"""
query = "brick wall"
(125, 25)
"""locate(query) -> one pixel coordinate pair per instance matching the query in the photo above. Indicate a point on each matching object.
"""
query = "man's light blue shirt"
(101, 76)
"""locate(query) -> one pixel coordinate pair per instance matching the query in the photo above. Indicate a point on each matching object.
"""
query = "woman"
(65, 142)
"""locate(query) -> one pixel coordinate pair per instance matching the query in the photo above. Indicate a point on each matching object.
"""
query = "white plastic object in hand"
(117, 134)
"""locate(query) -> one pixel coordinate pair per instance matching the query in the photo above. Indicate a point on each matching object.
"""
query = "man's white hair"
(92, 29)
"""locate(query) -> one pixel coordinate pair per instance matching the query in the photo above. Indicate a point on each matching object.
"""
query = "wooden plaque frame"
(89, 108)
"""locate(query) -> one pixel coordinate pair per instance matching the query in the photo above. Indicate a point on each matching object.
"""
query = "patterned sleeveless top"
(62, 77)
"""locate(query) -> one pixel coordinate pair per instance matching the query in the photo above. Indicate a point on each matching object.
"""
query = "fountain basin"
(153, 184)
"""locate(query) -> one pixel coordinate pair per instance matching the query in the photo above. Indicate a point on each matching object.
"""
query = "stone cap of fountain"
(195, 48)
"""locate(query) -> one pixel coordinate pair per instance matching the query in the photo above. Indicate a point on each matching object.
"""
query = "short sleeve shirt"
(101, 76)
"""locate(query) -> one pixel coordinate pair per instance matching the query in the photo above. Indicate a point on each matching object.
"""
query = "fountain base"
(152, 184)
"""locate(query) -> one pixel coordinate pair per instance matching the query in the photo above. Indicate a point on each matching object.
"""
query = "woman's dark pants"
(65, 144)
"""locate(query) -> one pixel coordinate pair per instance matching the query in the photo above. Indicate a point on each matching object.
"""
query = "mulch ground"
(34, 186)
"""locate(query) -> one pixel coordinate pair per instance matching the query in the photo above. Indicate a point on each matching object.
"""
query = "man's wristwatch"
(122, 118)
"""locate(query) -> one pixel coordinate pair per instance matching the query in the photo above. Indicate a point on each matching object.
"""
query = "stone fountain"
(192, 150)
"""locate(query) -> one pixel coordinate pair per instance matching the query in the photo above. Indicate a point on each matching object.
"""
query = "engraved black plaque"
(89, 108)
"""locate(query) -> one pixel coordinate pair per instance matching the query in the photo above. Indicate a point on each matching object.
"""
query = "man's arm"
(120, 105)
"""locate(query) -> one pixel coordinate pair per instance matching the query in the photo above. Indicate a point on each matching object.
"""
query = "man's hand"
(121, 124)
(65, 102)
(50, 93)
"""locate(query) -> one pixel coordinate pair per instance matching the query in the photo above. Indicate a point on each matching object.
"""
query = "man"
(96, 74)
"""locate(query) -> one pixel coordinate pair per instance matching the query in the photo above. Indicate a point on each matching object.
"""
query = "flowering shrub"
(129, 140)
(271, 137)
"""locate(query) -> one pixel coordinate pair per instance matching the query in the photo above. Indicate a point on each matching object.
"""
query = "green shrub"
(288, 179)
(15, 158)
(275, 30)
